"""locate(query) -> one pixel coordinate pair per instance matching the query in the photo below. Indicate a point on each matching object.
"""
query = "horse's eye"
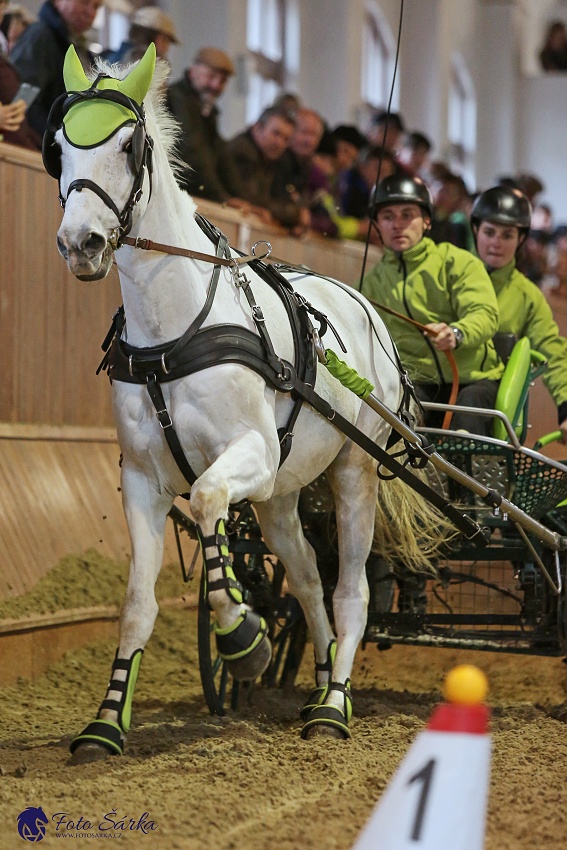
(128, 147)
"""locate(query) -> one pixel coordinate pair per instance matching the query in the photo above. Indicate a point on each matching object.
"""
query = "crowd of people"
(468, 265)
(553, 55)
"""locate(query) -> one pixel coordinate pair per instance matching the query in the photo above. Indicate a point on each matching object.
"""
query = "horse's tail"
(408, 530)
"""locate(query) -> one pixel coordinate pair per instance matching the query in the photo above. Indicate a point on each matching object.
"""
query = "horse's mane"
(158, 115)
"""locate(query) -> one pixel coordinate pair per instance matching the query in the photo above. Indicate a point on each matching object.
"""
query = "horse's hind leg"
(146, 513)
(355, 486)
(283, 533)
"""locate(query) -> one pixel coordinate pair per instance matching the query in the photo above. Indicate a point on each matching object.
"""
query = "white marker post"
(437, 798)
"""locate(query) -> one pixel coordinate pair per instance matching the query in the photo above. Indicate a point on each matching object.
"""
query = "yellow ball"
(466, 685)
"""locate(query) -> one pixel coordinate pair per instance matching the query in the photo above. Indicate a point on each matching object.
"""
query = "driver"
(444, 288)
(500, 219)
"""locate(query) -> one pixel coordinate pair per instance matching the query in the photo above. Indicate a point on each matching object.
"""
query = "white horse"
(226, 416)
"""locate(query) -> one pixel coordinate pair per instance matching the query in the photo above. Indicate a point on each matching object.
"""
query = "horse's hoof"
(251, 666)
(86, 753)
(328, 719)
(320, 731)
(101, 736)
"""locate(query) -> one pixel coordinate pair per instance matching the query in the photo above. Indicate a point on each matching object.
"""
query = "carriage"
(504, 595)
(221, 384)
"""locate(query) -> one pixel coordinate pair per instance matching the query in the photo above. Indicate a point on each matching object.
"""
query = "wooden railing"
(52, 324)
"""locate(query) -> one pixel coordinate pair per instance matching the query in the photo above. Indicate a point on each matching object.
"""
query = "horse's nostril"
(95, 243)
(62, 249)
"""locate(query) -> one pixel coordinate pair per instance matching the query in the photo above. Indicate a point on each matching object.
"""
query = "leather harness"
(199, 348)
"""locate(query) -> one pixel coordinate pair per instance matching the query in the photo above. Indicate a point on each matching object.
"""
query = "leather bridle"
(142, 151)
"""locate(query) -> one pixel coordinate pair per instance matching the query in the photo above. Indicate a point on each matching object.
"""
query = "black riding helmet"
(502, 205)
(398, 189)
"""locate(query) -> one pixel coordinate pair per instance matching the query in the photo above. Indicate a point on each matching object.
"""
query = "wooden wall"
(52, 324)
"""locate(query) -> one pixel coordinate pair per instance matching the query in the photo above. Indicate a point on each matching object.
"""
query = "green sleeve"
(472, 297)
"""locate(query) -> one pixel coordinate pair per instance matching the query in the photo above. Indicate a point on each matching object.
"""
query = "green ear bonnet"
(95, 117)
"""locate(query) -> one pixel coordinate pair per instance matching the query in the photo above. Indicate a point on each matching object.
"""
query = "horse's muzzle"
(89, 261)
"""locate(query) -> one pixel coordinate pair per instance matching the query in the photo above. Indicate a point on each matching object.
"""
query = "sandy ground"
(247, 781)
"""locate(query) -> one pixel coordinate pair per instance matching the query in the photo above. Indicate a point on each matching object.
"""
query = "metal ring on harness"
(262, 242)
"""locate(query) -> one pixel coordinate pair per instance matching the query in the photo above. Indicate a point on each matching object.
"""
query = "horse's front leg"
(146, 514)
(244, 470)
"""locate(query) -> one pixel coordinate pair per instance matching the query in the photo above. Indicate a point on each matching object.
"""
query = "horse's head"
(98, 148)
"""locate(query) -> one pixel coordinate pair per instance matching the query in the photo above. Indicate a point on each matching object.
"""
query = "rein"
(232, 262)
(449, 355)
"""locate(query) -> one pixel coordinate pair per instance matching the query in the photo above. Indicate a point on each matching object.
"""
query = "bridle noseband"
(142, 150)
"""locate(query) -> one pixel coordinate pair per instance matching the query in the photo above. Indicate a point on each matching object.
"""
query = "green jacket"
(525, 312)
(438, 283)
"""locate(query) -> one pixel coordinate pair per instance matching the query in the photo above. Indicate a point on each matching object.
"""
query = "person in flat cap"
(211, 172)
(148, 25)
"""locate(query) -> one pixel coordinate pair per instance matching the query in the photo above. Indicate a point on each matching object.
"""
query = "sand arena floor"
(247, 781)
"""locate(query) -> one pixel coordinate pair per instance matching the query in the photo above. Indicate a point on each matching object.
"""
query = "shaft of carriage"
(421, 448)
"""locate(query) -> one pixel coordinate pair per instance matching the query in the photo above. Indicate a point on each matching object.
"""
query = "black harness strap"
(169, 431)
(464, 523)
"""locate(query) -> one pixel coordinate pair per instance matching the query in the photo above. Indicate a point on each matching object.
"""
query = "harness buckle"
(163, 366)
(257, 314)
(164, 418)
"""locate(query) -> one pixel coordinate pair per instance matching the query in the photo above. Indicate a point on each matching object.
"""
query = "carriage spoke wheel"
(216, 681)
(288, 633)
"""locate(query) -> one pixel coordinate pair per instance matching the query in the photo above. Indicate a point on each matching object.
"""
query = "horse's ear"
(138, 81)
(73, 74)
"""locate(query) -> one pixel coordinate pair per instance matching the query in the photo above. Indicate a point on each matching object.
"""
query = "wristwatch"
(459, 336)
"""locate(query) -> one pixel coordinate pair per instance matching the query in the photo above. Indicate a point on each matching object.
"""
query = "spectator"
(413, 154)
(149, 26)
(16, 20)
(444, 288)
(40, 51)
(373, 162)
(211, 171)
(289, 101)
(528, 184)
(386, 130)
(350, 142)
(450, 223)
(500, 219)
(323, 196)
(256, 153)
(14, 127)
(532, 259)
(556, 279)
(3, 37)
(542, 218)
(295, 164)
(553, 56)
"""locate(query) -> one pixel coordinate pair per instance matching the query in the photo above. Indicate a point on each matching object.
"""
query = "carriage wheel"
(288, 633)
(216, 681)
